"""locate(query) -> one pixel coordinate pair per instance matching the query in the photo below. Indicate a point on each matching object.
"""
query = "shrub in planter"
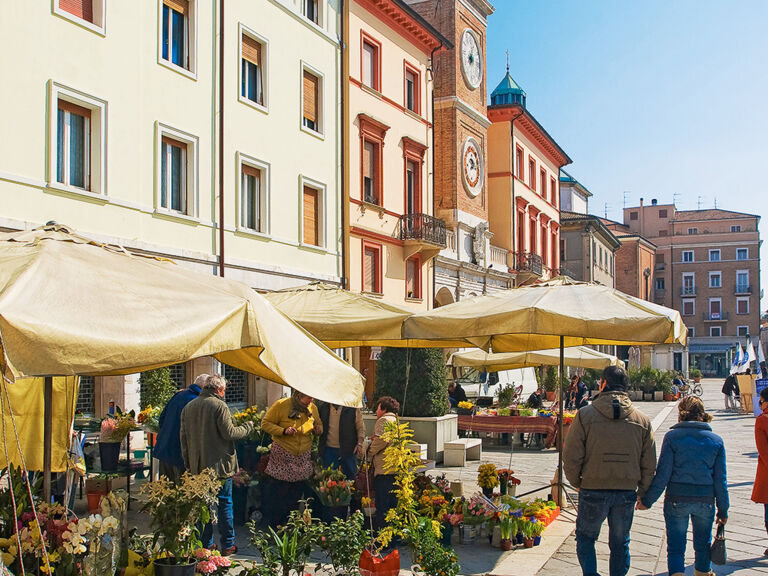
(343, 541)
(427, 385)
(590, 378)
(155, 387)
(695, 373)
(549, 381)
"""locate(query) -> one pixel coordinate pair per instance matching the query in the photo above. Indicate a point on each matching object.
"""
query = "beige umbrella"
(578, 356)
(72, 306)
(340, 318)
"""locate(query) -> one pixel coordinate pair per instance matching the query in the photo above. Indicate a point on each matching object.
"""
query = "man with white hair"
(208, 441)
(168, 446)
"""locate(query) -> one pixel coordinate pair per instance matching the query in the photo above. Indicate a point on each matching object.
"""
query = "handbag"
(717, 551)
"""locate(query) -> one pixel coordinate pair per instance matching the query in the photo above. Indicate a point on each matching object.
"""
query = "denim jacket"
(691, 467)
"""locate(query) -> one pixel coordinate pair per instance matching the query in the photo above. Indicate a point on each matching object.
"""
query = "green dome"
(508, 92)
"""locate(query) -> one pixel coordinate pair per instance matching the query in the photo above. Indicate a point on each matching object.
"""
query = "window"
(252, 70)
(413, 278)
(519, 163)
(660, 284)
(311, 101)
(742, 305)
(689, 286)
(715, 309)
(687, 255)
(563, 254)
(633, 215)
(742, 331)
(177, 172)
(370, 172)
(73, 136)
(553, 191)
(690, 332)
(693, 230)
(715, 280)
(412, 89)
(372, 133)
(87, 13)
(715, 331)
(311, 11)
(662, 232)
(742, 253)
(371, 268)
(714, 255)
(543, 183)
(659, 258)
(412, 187)
(532, 173)
(663, 213)
(543, 246)
(742, 281)
(175, 33)
(253, 205)
(689, 307)
(736, 228)
(312, 215)
(371, 65)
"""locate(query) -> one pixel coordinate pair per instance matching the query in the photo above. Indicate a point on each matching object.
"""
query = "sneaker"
(229, 551)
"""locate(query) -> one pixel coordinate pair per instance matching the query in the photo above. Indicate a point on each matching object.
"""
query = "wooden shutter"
(80, 8)
(172, 142)
(311, 212)
(369, 153)
(251, 171)
(178, 5)
(369, 65)
(310, 97)
(74, 109)
(369, 270)
(251, 50)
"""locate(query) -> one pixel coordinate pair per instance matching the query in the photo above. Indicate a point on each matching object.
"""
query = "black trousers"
(280, 498)
(383, 487)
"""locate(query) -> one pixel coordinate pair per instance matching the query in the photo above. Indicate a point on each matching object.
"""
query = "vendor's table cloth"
(512, 425)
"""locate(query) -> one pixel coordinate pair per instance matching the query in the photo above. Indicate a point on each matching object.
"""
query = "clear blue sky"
(662, 99)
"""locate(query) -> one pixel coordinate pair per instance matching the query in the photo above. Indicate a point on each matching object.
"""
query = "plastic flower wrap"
(333, 488)
(478, 510)
(115, 427)
(150, 418)
(487, 476)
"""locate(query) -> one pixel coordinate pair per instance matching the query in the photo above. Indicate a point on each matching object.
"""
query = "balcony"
(498, 258)
(563, 271)
(715, 316)
(528, 262)
(688, 291)
(422, 233)
(742, 289)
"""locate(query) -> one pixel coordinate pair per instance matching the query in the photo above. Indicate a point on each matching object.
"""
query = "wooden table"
(546, 425)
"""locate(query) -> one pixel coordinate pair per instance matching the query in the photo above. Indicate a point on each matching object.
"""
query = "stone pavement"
(745, 532)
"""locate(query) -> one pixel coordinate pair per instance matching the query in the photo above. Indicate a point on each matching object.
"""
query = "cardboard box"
(105, 485)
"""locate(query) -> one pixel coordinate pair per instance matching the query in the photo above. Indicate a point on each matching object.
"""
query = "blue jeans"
(676, 514)
(225, 519)
(346, 462)
(618, 506)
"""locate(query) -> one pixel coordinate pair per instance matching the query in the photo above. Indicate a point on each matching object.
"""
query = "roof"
(507, 86)
(574, 218)
(710, 214)
(400, 16)
(566, 178)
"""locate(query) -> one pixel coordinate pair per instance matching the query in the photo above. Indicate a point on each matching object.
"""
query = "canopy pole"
(47, 435)
(559, 488)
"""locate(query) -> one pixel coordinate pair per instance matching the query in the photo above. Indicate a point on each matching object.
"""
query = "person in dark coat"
(730, 387)
(168, 447)
(535, 400)
(456, 394)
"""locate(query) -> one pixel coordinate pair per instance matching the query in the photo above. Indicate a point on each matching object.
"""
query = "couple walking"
(610, 457)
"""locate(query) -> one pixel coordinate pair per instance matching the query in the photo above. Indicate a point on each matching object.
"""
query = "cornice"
(406, 22)
(459, 104)
(481, 9)
(532, 130)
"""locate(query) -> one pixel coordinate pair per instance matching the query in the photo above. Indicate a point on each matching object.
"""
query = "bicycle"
(687, 389)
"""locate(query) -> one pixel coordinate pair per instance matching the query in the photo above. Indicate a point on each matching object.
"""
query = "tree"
(156, 387)
(427, 387)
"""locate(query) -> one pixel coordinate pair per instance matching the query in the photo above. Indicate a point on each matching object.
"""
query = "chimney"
(654, 202)
(641, 202)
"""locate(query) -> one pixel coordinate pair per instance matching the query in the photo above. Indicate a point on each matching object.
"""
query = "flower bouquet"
(465, 408)
(252, 414)
(487, 478)
(434, 505)
(508, 481)
(115, 427)
(149, 418)
(332, 488)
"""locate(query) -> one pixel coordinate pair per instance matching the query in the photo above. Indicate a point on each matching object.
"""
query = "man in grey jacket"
(208, 441)
(610, 457)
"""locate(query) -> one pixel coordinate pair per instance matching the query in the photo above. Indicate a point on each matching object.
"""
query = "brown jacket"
(610, 446)
(376, 449)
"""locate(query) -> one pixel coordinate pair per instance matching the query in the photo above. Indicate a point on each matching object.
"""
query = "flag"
(737, 359)
(747, 358)
(761, 360)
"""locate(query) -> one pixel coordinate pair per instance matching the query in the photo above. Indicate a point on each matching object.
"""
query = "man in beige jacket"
(610, 457)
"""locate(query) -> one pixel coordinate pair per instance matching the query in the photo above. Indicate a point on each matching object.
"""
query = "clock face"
(471, 60)
(472, 167)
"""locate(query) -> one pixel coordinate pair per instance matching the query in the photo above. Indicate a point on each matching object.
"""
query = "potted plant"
(537, 528)
(508, 482)
(251, 448)
(432, 558)
(287, 549)
(178, 511)
(334, 493)
(508, 527)
(343, 541)
(211, 562)
(526, 527)
(487, 478)
(695, 373)
(549, 383)
(426, 380)
(506, 394)
(465, 408)
(114, 428)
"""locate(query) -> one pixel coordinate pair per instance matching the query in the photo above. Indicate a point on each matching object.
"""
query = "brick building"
(707, 266)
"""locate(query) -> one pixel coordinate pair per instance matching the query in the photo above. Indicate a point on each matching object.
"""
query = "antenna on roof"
(715, 202)
(626, 195)
(605, 211)
(698, 202)
(675, 196)
(507, 60)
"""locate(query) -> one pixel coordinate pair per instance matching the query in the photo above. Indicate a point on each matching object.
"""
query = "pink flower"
(221, 561)
(202, 553)
(206, 567)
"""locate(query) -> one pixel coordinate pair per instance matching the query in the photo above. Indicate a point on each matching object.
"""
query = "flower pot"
(369, 510)
(669, 397)
(488, 492)
(140, 455)
(519, 538)
(658, 395)
(445, 538)
(466, 534)
(240, 504)
(550, 396)
(503, 487)
(174, 567)
(94, 501)
(457, 488)
(527, 542)
(506, 544)
(536, 540)
(109, 453)
(375, 565)
(512, 489)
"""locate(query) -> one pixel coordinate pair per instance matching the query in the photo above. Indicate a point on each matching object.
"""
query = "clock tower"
(461, 133)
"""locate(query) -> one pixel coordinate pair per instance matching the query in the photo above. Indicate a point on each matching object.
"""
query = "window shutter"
(74, 109)
(369, 270)
(369, 149)
(178, 5)
(410, 279)
(310, 96)
(310, 216)
(369, 53)
(80, 8)
(173, 142)
(251, 50)
(251, 171)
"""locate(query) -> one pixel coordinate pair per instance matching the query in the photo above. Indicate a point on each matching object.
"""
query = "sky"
(658, 99)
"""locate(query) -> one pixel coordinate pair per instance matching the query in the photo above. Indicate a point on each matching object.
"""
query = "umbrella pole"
(559, 488)
(47, 435)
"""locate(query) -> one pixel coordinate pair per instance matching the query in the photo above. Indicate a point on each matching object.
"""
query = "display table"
(512, 425)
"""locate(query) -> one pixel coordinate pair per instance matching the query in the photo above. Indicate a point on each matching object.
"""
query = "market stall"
(491, 423)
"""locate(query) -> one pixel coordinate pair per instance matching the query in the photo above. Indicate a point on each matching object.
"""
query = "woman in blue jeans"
(692, 469)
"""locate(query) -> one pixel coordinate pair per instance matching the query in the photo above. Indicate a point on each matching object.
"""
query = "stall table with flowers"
(492, 421)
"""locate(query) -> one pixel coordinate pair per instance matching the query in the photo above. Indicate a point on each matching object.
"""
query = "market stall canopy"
(535, 317)
(340, 318)
(577, 356)
(69, 305)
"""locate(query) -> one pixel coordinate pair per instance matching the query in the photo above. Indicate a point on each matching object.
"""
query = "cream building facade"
(117, 117)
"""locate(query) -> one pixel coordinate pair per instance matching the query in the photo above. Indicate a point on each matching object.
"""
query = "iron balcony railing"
(688, 291)
(528, 262)
(563, 271)
(743, 289)
(715, 316)
(423, 227)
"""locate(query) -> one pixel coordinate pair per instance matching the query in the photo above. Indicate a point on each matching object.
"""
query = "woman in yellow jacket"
(291, 422)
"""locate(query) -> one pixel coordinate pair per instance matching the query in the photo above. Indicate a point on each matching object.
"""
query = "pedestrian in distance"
(729, 388)
(610, 457)
(342, 439)
(168, 446)
(456, 394)
(208, 441)
(692, 470)
(383, 478)
(760, 489)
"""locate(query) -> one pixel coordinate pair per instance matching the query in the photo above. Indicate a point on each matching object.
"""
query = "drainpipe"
(514, 207)
(344, 79)
(431, 72)
(221, 138)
